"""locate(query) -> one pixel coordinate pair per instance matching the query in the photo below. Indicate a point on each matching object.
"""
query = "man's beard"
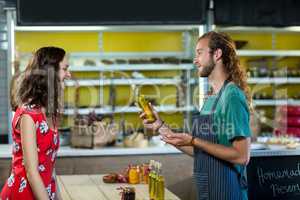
(206, 70)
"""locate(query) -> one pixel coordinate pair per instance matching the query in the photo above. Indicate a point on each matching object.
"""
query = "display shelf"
(275, 102)
(275, 80)
(131, 67)
(126, 109)
(131, 54)
(137, 81)
(268, 52)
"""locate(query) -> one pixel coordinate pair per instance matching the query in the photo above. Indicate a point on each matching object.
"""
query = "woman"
(220, 139)
(34, 127)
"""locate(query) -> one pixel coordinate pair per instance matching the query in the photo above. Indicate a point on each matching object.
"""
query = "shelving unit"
(186, 68)
(274, 80)
(273, 53)
(124, 81)
(276, 102)
(130, 81)
(104, 82)
(131, 67)
(184, 80)
(127, 109)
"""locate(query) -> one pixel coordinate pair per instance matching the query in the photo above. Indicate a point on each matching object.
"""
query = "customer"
(34, 127)
(220, 139)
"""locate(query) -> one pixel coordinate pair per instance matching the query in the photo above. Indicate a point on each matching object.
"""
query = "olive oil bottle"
(160, 184)
(155, 181)
(144, 104)
(151, 179)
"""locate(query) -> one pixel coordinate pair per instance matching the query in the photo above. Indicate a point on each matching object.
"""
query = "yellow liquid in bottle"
(160, 188)
(133, 175)
(153, 187)
(150, 184)
(144, 104)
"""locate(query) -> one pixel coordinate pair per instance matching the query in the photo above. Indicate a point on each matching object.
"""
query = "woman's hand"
(178, 139)
(154, 126)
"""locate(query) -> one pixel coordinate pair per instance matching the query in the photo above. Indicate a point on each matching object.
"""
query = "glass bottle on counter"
(155, 179)
(151, 179)
(160, 189)
(128, 193)
(133, 175)
(144, 173)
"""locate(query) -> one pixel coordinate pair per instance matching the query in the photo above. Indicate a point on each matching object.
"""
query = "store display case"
(110, 68)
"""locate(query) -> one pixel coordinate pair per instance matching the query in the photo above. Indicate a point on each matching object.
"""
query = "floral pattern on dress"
(43, 127)
(16, 147)
(23, 184)
(42, 168)
(11, 180)
(48, 188)
(52, 197)
(29, 107)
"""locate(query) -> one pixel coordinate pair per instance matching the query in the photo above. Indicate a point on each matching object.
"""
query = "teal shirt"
(231, 118)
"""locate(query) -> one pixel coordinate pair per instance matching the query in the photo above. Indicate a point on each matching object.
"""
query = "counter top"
(66, 151)
(276, 150)
(86, 187)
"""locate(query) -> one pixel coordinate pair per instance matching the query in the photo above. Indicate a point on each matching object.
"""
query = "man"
(220, 139)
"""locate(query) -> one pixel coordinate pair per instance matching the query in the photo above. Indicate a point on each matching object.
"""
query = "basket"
(96, 135)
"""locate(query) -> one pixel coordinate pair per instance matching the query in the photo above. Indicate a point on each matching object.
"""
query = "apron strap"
(219, 96)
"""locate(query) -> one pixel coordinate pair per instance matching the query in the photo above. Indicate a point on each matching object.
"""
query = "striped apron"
(215, 179)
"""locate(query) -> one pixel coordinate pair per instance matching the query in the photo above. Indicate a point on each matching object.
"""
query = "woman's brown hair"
(230, 60)
(14, 86)
(40, 82)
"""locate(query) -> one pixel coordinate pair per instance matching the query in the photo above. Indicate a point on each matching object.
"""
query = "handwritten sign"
(276, 177)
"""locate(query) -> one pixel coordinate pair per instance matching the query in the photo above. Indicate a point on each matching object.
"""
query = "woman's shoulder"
(32, 110)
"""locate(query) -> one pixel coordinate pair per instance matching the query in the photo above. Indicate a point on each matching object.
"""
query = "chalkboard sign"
(111, 12)
(276, 177)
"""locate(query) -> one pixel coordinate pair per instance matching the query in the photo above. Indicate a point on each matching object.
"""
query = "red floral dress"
(17, 186)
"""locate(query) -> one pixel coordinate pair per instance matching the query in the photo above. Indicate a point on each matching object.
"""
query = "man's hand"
(178, 139)
(154, 126)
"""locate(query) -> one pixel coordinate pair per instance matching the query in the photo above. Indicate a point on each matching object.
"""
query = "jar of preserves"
(133, 175)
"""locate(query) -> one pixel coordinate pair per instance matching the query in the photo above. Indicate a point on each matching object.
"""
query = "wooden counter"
(87, 187)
